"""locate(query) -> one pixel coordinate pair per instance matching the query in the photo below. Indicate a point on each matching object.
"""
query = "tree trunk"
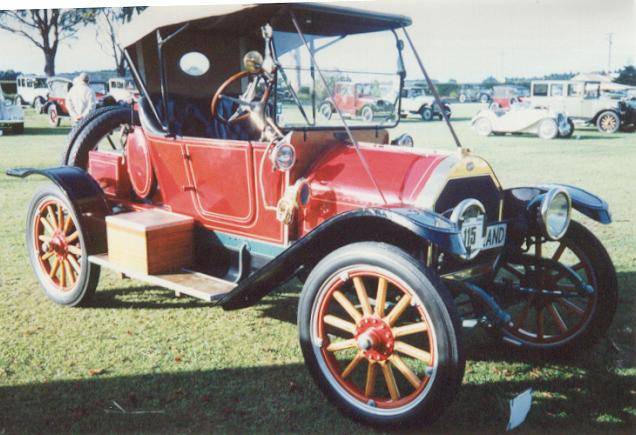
(49, 63)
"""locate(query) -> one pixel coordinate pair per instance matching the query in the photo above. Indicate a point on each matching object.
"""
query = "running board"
(185, 282)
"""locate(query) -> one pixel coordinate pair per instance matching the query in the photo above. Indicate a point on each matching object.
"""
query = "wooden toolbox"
(150, 242)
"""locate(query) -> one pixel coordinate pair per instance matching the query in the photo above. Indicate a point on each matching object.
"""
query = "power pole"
(609, 52)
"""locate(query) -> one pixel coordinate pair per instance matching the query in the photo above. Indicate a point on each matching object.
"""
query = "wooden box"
(150, 242)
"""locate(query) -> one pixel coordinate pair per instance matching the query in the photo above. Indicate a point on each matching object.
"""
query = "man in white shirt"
(80, 99)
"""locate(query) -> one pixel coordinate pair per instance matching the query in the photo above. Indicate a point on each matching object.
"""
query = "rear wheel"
(380, 336)
(367, 114)
(462, 98)
(608, 122)
(326, 111)
(38, 102)
(484, 99)
(567, 131)
(559, 318)
(53, 115)
(494, 106)
(57, 251)
(426, 113)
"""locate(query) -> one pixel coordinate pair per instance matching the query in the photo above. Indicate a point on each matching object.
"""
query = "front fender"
(585, 202)
(84, 194)
(400, 226)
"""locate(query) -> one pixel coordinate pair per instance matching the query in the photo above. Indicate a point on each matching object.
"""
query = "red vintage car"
(55, 106)
(503, 96)
(206, 190)
(362, 100)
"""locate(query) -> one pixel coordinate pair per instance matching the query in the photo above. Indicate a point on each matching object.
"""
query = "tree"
(111, 19)
(46, 28)
(489, 81)
(627, 76)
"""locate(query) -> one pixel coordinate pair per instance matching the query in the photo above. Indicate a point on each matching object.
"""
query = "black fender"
(590, 205)
(87, 198)
(404, 227)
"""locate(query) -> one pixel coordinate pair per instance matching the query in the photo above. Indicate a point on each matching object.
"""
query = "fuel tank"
(412, 177)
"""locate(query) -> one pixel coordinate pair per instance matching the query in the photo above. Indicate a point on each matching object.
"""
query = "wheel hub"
(58, 244)
(374, 338)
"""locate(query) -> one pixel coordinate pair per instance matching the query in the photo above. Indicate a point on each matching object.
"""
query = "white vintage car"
(581, 101)
(415, 101)
(523, 119)
(122, 90)
(11, 116)
(32, 91)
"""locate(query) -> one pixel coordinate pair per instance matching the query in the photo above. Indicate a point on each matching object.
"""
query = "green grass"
(205, 369)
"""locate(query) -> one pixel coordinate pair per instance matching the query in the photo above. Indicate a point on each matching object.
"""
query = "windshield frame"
(401, 73)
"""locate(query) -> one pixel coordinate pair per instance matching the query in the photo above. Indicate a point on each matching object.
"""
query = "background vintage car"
(523, 119)
(31, 90)
(11, 116)
(415, 101)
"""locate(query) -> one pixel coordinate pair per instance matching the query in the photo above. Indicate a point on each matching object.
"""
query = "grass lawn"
(204, 369)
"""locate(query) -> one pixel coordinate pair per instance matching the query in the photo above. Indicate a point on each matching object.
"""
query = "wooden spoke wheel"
(555, 315)
(57, 250)
(608, 122)
(56, 239)
(373, 346)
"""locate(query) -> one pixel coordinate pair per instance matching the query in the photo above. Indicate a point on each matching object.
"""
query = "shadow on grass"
(46, 131)
(274, 397)
(147, 297)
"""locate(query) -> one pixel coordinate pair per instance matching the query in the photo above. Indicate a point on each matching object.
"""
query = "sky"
(457, 39)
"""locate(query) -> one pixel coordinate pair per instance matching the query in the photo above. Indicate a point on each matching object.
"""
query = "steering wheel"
(247, 103)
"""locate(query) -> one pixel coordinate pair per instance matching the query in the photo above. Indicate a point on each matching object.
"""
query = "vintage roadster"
(213, 190)
(522, 118)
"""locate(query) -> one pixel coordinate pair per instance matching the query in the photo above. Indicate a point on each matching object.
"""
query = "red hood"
(400, 173)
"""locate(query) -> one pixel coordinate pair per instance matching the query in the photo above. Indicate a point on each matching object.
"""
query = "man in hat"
(80, 99)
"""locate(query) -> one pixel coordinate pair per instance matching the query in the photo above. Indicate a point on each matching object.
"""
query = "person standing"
(80, 100)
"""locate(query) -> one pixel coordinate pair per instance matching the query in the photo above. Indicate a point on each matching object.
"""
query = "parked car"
(385, 239)
(580, 101)
(474, 93)
(55, 106)
(11, 116)
(31, 90)
(504, 96)
(542, 122)
(356, 100)
(123, 90)
(415, 101)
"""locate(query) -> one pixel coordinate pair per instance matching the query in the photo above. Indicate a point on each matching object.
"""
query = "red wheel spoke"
(74, 250)
(353, 364)
(380, 298)
(341, 345)
(60, 217)
(50, 216)
(413, 351)
(556, 316)
(339, 323)
(369, 387)
(412, 328)
(67, 224)
(571, 306)
(44, 239)
(347, 305)
(363, 297)
(398, 309)
(74, 263)
(63, 273)
(405, 370)
(47, 225)
(56, 265)
(523, 315)
(47, 255)
(539, 321)
(72, 237)
(391, 385)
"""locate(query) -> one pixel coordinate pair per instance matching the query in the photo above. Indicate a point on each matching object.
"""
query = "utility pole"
(609, 52)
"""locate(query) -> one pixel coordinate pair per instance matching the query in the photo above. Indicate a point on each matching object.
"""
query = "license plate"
(476, 239)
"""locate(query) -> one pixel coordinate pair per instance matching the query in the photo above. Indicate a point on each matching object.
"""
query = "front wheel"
(380, 335)
(57, 250)
(326, 111)
(558, 318)
(484, 99)
(367, 114)
(483, 127)
(548, 129)
(462, 98)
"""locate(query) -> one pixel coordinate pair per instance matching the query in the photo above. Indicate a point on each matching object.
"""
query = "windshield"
(363, 88)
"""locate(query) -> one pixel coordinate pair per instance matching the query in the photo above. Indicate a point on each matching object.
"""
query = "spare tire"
(88, 133)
